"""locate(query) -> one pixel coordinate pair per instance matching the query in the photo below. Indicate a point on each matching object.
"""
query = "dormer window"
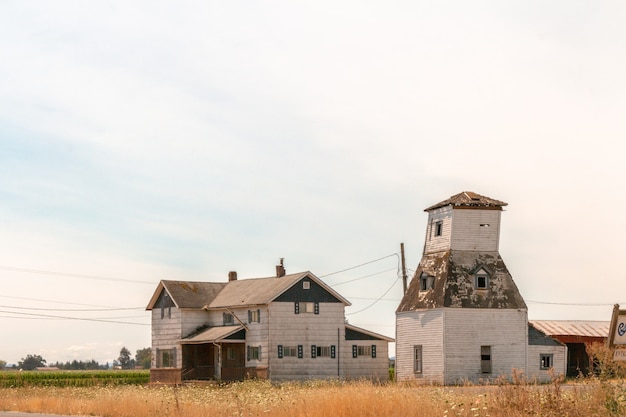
(481, 279)
(426, 282)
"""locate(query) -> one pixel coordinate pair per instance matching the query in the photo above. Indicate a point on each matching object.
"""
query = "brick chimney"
(280, 269)
(232, 276)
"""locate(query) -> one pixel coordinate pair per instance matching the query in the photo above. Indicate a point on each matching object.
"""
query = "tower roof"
(469, 199)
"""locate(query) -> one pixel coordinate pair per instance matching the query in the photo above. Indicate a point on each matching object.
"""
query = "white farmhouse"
(286, 327)
(462, 317)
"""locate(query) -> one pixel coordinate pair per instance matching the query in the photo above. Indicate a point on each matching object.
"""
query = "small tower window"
(438, 228)
(481, 279)
(426, 282)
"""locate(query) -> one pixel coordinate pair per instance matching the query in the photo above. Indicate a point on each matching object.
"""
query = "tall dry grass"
(262, 398)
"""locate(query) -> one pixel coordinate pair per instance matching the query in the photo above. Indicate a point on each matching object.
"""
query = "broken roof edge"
(469, 199)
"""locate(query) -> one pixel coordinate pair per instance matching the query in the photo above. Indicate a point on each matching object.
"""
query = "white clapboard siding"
(165, 332)
(365, 366)
(467, 329)
(470, 231)
(534, 371)
(420, 328)
(438, 243)
(289, 329)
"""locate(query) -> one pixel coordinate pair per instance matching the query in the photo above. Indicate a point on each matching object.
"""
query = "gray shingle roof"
(469, 199)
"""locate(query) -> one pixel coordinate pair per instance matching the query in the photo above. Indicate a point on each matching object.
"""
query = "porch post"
(217, 361)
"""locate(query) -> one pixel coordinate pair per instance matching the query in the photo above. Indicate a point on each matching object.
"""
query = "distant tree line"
(124, 361)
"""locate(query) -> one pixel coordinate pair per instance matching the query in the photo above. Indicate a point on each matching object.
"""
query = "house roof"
(578, 328)
(369, 333)
(188, 294)
(237, 293)
(211, 334)
(260, 291)
(453, 284)
(538, 338)
(469, 199)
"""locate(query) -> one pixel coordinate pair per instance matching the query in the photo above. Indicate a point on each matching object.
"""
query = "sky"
(142, 141)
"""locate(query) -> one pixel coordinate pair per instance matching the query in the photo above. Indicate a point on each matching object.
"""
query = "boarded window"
(417, 359)
(323, 351)
(426, 282)
(485, 359)
(545, 361)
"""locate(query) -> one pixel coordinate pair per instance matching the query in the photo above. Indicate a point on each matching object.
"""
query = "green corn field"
(17, 379)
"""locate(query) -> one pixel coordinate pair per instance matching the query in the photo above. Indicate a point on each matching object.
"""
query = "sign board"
(617, 331)
(619, 355)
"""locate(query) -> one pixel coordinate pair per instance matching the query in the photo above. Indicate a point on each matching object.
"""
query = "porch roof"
(211, 334)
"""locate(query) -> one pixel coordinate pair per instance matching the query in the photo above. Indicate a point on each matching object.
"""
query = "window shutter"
(249, 316)
(355, 352)
(316, 308)
(259, 358)
(173, 365)
(248, 353)
(332, 351)
(280, 351)
(300, 352)
(373, 351)
(258, 315)
(297, 307)
(313, 351)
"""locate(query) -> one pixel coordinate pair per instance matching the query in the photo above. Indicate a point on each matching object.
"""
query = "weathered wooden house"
(285, 327)
(462, 317)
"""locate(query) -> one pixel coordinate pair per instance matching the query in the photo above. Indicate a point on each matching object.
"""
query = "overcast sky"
(142, 141)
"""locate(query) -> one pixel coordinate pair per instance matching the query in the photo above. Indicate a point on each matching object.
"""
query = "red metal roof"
(579, 328)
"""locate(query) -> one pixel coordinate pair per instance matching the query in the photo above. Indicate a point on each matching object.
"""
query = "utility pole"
(403, 268)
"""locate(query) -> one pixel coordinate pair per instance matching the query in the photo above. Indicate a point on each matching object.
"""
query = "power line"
(77, 310)
(366, 276)
(73, 318)
(571, 304)
(378, 299)
(65, 274)
(360, 265)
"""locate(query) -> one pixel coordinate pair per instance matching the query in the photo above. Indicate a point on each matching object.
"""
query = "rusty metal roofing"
(580, 328)
(469, 199)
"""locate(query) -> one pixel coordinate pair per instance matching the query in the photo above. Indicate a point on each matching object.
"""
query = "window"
(369, 350)
(166, 312)
(481, 279)
(545, 361)
(290, 351)
(323, 351)
(254, 316)
(426, 282)
(438, 228)
(417, 359)
(254, 353)
(307, 307)
(306, 285)
(229, 319)
(166, 358)
(485, 359)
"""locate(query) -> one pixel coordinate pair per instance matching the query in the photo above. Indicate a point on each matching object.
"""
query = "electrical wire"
(366, 276)
(73, 318)
(95, 277)
(360, 265)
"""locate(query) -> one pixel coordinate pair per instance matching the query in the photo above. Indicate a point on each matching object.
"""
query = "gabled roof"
(188, 294)
(260, 291)
(238, 293)
(469, 199)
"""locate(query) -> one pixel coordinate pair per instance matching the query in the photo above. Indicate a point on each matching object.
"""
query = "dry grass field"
(357, 398)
